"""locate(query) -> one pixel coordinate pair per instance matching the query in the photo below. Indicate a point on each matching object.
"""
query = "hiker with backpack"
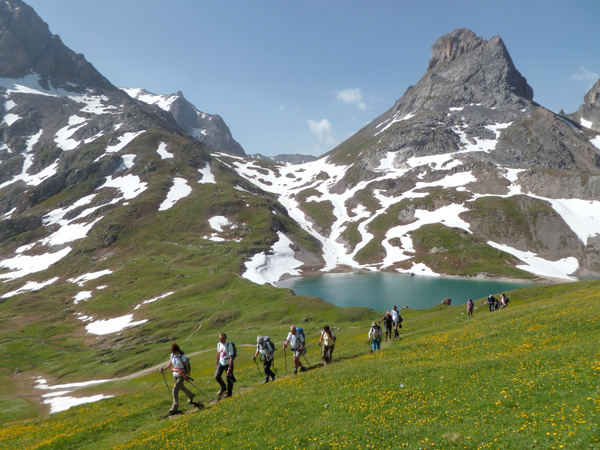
(266, 348)
(491, 301)
(298, 342)
(226, 353)
(180, 364)
(396, 321)
(387, 320)
(375, 336)
(328, 341)
(470, 306)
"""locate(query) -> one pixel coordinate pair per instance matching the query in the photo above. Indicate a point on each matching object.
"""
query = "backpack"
(234, 354)
(376, 332)
(300, 332)
(180, 357)
(268, 341)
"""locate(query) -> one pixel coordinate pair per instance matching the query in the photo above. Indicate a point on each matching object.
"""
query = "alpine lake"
(381, 291)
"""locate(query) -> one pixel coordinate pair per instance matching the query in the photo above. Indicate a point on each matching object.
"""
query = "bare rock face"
(447, 301)
(27, 46)
(453, 45)
(588, 114)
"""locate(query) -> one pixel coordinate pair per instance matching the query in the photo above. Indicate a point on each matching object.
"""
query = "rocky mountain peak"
(27, 46)
(588, 114)
(453, 45)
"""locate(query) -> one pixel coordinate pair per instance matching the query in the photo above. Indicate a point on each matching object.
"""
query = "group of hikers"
(493, 303)
(179, 363)
(392, 322)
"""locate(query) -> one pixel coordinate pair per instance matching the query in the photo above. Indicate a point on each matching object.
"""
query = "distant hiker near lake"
(375, 336)
(470, 306)
(297, 340)
(387, 320)
(328, 341)
(396, 321)
(181, 371)
(225, 356)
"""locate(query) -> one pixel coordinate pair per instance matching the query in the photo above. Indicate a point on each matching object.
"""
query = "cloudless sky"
(300, 76)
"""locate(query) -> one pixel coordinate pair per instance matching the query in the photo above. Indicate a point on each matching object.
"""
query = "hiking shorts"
(299, 353)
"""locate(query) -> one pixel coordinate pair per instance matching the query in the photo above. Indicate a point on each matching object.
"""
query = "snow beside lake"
(540, 266)
(102, 327)
(264, 268)
(179, 190)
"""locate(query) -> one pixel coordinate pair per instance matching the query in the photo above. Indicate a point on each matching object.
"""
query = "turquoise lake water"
(381, 291)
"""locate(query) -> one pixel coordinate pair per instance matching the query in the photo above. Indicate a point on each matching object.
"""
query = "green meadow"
(524, 377)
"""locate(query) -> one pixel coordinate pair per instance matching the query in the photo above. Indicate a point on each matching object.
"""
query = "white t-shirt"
(264, 351)
(295, 340)
(395, 315)
(177, 361)
(224, 351)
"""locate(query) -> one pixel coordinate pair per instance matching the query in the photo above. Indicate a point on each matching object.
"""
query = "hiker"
(328, 341)
(181, 371)
(298, 344)
(266, 350)
(470, 306)
(491, 301)
(396, 321)
(375, 336)
(503, 301)
(387, 320)
(225, 357)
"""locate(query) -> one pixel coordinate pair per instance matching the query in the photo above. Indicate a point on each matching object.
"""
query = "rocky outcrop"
(588, 114)
(27, 46)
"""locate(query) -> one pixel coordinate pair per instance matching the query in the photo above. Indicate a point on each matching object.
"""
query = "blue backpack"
(300, 332)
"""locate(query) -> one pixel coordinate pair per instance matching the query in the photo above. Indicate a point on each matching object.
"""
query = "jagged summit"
(208, 128)
(588, 114)
(453, 45)
(27, 46)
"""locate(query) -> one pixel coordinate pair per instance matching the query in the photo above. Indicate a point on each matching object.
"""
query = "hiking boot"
(221, 392)
(172, 411)
(191, 399)
(302, 369)
(265, 382)
(295, 371)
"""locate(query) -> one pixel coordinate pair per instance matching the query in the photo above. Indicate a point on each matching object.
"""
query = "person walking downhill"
(375, 336)
(470, 306)
(396, 321)
(387, 320)
(180, 364)
(225, 357)
(298, 344)
(328, 341)
(266, 350)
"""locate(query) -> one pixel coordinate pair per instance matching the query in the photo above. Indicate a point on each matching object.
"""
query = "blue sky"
(302, 76)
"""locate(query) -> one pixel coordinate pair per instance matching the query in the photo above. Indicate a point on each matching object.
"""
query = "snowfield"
(289, 180)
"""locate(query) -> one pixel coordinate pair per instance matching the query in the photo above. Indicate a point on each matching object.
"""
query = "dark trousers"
(268, 372)
(230, 378)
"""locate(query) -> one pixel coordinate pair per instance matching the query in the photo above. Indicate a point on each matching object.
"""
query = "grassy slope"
(524, 377)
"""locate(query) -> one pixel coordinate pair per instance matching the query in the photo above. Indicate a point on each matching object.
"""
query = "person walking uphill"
(328, 340)
(225, 357)
(375, 336)
(181, 371)
(266, 350)
(387, 320)
(396, 321)
(470, 306)
(296, 339)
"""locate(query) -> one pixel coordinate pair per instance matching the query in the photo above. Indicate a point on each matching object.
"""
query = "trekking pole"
(285, 357)
(198, 389)
(167, 384)
(256, 364)
(309, 364)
